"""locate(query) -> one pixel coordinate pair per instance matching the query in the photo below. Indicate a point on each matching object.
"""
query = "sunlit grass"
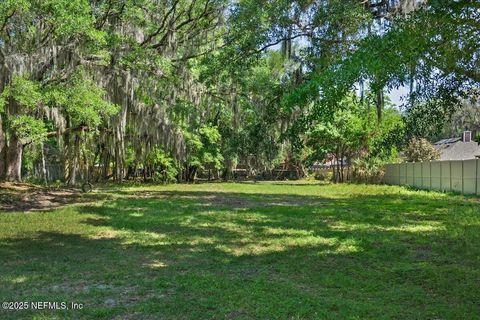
(248, 251)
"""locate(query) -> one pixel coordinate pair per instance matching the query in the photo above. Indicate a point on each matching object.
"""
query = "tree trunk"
(348, 169)
(106, 164)
(191, 174)
(74, 157)
(44, 167)
(337, 180)
(379, 102)
(3, 151)
(341, 169)
(334, 172)
(14, 160)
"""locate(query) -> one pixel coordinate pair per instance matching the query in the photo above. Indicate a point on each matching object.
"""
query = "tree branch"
(6, 20)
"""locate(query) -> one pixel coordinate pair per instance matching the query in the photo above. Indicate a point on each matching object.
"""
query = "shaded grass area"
(248, 251)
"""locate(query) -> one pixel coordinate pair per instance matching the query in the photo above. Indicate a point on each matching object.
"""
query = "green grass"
(248, 251)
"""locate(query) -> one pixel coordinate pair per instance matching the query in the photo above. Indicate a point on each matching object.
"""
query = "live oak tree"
(20, 104)
(137, 53)
(42, 43)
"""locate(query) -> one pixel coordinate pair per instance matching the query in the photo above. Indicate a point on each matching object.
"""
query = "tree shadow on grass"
(44, 199)
(183, 254)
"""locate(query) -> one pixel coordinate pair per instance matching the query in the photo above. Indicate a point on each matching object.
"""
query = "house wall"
(461, 176)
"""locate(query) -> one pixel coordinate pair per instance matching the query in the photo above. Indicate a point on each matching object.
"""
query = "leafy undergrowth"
(247, 251)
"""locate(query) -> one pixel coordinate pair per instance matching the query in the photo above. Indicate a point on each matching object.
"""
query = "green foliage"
(423, 50)
(24, 92)
(71, 18)
(194, 148)
(210, 139)
(255, 139)
(28, 128)
(427, 120)
(24, 98)
(203, 148)
(389, 136)
(83, 101)
(354, 132)
(420, 149)
(165, 166)
(368, 170)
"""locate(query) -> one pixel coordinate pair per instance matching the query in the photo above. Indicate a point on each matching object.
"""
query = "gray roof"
(456, 149)
(447, 141)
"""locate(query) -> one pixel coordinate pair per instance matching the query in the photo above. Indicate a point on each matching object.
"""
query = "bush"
(368, 170)
(165, 166)
(420, 149)
(323, 175)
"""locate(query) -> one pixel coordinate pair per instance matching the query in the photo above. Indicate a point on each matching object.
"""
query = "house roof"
(447, 141)
(456, 149)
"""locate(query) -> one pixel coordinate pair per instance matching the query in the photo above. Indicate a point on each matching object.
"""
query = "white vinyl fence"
(455, 175)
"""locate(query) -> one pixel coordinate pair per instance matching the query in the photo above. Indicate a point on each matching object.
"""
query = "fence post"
(463, 177)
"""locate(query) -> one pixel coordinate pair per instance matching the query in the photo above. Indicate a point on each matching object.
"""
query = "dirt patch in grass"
(26, 197)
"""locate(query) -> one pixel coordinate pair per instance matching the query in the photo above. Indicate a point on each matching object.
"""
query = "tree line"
(166, 90)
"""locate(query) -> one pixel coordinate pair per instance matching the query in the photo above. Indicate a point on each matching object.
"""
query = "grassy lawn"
(247, 251)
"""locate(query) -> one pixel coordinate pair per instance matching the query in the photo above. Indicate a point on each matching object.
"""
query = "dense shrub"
(420, 149)
(368, 170)
(164, 166)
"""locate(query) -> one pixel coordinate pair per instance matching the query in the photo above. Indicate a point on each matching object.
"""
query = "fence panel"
(446, 176)
(436, 176)
(417, 174)
(389, 174)
(457, 175)
(403, 174)
(478, 177)
(469, 176)
(410, 173)
(396, 175)
(426, 177)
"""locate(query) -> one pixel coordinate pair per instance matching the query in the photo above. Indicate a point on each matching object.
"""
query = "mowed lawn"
(247, 251)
